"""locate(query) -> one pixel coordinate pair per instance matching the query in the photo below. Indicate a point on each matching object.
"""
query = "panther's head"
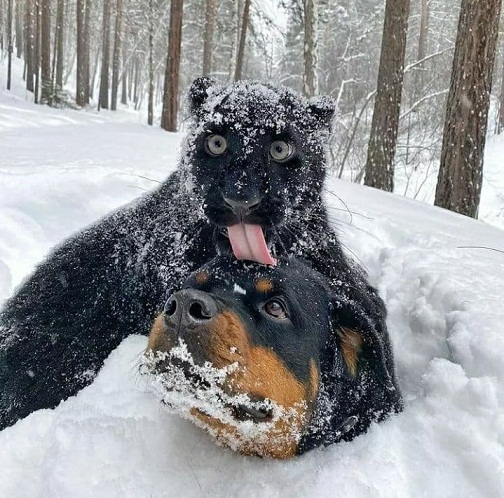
(256, 154)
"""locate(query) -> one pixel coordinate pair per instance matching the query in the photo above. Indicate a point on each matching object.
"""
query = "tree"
(59, 41)
(210, 13)
(82, 93)
(103, 100)
(9, 43)
(45, 53)
(385, 124)
(150, 105)
(243, 38)
(310, 80)
(117, 55)
(170, 94)
(461, 171)
(29, 43)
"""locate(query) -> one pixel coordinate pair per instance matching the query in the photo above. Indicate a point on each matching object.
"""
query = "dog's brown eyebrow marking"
(351, 345)
(202, 277)
(263, 285)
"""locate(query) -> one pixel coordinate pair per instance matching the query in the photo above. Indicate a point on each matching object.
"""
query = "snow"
(62, 169)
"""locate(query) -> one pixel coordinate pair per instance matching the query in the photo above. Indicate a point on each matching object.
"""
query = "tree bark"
(60, 36)
(461, 171)
(243, 39)
(9, 44)
(87, 51)
(116, 58)
(170, 94)
(19, 30)
(45, 55)
(30, 44)
(385, 124)
(80, 97)
(104, 77)
(310, 80)
(125, 72)
(210, 14)
(37, 51)
(150, 104)
(501, 103)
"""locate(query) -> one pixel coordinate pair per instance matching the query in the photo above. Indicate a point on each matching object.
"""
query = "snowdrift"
(438, 273)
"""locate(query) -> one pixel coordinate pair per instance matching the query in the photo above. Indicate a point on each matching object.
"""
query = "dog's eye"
(216, 145)
(276, 309)
(280, 151)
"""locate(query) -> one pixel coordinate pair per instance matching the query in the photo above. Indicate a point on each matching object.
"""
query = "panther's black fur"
(109, 280)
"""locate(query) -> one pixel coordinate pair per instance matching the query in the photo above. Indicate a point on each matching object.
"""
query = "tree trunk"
(37, 51)
(104, 78)
(170, 94)
(19, 30)
(243, 39)
(150, 105)
(87, 43)
(210, 17)
(501, 103)
(45, 55)
(9, 44)
(29, 44)
(80, 97)
(385, 124)
(310, 80)
(116, 58)
(125, 72)
(60, 61)
(461, 171)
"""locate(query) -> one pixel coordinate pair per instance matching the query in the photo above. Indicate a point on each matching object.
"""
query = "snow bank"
(61, 170)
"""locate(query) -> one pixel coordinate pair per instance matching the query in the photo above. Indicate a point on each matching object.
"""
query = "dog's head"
(258, 357)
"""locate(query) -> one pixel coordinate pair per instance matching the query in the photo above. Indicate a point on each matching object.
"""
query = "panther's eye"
(216, 145)
(276, 309)
(280, 151)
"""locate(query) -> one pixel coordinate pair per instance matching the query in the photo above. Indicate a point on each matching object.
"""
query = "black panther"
(271, 360)
(249, 183)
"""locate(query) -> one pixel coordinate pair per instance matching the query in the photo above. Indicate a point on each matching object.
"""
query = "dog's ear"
(198, 92)
(324, 109)
(363, 342)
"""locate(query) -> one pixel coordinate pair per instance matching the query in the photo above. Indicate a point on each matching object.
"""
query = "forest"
(412, 79)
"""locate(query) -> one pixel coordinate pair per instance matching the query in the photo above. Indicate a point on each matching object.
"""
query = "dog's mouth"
(257, 410)
(181, 374)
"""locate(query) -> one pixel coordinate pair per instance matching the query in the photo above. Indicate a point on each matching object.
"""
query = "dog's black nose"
(243, 207)
(190, 307)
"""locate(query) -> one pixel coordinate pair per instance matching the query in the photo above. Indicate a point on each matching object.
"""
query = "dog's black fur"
(293, 320)
(109, 280)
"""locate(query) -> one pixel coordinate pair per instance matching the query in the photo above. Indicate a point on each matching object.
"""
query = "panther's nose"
(243, 207)
(190, 307)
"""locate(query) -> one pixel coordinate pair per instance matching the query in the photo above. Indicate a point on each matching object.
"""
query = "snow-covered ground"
(60, 170)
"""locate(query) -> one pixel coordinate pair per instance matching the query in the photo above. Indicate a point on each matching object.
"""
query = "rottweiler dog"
(271, 360)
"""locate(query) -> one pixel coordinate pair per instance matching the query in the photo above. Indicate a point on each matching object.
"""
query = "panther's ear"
(323, 108)
(198, 92)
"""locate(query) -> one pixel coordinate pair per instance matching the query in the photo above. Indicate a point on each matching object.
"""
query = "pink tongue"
(248, 243)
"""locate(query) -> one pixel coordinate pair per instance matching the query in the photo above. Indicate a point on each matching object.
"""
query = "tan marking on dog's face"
(260, 374)
(313, 381)
(202, 277)
(351, 345)
(263, 285)
(158, 337)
